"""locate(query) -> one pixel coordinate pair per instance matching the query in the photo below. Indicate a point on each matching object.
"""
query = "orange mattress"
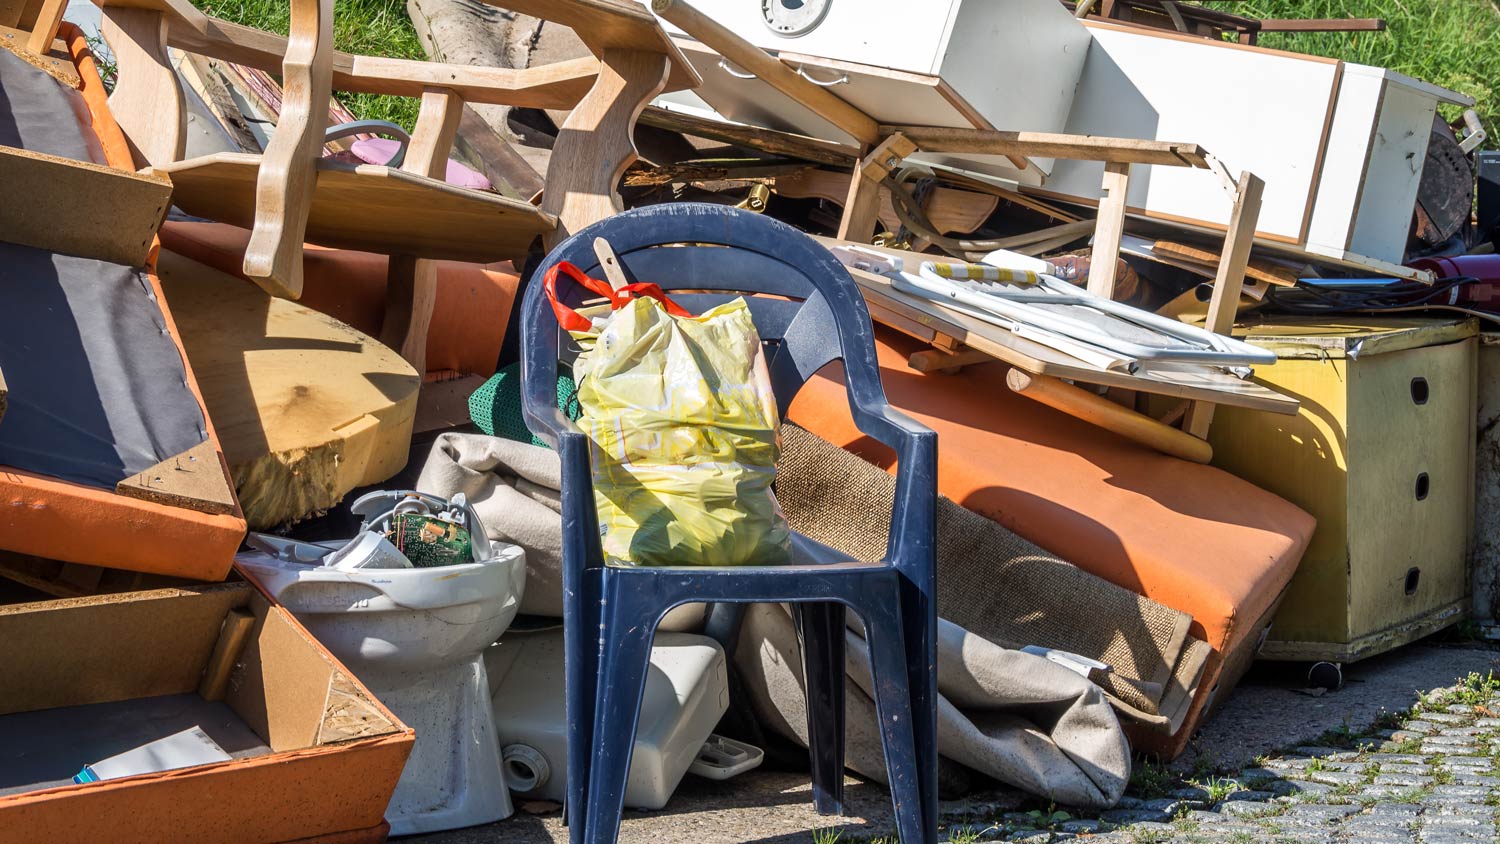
(468, 321)
(74, 523)
(1189, 536)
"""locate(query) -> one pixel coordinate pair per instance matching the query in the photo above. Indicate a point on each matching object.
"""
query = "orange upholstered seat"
(1189, 536)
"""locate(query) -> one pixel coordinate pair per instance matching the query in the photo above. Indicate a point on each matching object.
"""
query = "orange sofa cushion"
(1189, 536)
(468, 321)
(74, 523)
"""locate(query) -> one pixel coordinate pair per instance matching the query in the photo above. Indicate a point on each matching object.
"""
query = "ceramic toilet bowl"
(415, 637)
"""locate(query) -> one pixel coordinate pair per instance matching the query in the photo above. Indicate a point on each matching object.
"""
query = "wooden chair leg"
(288, 169)
(595, 144)
(44, 31)
(147, 101)
(411, 283)
(1228, 281)
(1104, 263)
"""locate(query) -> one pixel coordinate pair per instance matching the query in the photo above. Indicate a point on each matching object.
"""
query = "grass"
(1451, 43)
(367, 27)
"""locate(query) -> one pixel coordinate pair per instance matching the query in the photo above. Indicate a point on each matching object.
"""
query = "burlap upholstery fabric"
(997, 585)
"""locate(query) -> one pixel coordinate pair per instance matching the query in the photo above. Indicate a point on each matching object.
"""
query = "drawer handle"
(843, 78)
(737, 74)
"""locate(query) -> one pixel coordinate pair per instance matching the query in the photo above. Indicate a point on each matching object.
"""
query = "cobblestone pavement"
(1430, 776)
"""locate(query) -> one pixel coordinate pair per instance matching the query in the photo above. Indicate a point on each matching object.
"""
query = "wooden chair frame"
(633, 62)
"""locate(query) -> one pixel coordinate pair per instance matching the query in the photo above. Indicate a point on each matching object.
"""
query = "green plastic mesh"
(496, 406)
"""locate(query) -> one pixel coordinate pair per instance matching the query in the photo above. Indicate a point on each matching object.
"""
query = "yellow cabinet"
(1382, 455)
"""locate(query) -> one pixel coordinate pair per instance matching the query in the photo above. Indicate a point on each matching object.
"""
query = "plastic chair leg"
(821, 627)
(893, 708)
(581, 670)
(920, 627)
(628, 644)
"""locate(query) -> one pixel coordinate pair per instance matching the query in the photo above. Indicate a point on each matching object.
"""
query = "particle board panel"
(370, 208)
(110, 214)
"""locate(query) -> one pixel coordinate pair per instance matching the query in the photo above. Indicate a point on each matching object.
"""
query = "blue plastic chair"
(611, 612)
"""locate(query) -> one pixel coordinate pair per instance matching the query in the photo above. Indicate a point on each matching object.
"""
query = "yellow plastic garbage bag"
(684, 427)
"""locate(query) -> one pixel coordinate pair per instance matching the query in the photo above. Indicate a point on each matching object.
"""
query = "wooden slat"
(1264, 271)
(55, 63)
(233, 636)
(605, 25)
(80, 208)
(1097, 410)
(862, 203)
(560, 85)
(1105, 261)
(1048, 145)
(766, 140)
(371, 208)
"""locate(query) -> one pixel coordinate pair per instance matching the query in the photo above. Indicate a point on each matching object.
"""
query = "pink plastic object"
(382, 150)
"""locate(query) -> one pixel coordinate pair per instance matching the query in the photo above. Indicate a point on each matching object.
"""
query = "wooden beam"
(44, 31)
(752, 137)
(862, 206)
(1322, 24)
(111, 214)
(1104, 413)
(1048, 145)
(940, 360)
(1105, 261)
(1229, 280)
(1263, 271)
(754, 60)
(605, 25)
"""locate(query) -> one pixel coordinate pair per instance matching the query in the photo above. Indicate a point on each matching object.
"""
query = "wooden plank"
(1263, 271)
(147, 100)
(752, 137)
(491, 154)
(1105, 261)
(1228, 282)
(55, 63)
(233, 636)
(596, 142)
(754, 60)
(1104, 413)
(398, 212)
(605, 25)
(938, 360)
(1322, 25)
(1049, 145)
(194, 479)
(110, 214)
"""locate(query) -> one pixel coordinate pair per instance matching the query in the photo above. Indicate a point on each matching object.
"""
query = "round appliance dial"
(791, 18)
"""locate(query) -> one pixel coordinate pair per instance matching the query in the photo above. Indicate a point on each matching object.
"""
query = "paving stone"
(1453, 718)
(1132, 816)
(1468, 761)
(1396, 758)
(1248, 809)
(1321, 812)
(1468, 792)
(1254, 775)
(1336, 777)
(1487, 723)
(1315, 752)
(1080, 825)
(1446, 738)
(1191, 794)
(1402, 780)
(1420, 727)
(1301, 789)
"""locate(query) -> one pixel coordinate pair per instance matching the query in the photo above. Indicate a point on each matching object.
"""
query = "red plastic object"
(1486, 268)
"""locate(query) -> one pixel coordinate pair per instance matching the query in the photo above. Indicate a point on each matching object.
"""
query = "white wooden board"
(1257, 110)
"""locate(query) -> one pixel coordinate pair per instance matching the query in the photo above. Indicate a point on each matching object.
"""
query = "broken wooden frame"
(289, 194)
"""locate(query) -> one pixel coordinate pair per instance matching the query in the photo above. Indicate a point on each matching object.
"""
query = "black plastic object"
(1487, 205)
(611, 612)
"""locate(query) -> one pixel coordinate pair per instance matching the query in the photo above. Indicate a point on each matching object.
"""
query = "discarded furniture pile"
(1093, 373)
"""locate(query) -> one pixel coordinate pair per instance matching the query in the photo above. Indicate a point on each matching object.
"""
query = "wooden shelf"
(370, 208)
